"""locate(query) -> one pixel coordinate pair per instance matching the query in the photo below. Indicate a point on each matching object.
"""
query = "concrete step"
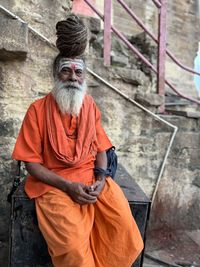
(151, 265)
(188, 114)
(183, 123)
(175, 103)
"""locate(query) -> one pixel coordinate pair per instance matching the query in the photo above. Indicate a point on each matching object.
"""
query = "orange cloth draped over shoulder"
(103, 234)
(64, 144)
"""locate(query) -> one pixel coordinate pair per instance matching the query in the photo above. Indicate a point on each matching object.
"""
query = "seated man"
(84, 218)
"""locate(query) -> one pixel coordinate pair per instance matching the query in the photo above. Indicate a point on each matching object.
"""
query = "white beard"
(69, 96)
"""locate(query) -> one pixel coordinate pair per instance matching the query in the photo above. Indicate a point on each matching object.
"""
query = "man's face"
(70, 85)
(72, 70)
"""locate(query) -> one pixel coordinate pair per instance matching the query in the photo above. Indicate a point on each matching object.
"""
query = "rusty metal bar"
(157, 3)
(175, 129)
(123, 38)
(182, 95)
(101, 16)
(120, 35)
(94, 9)
(132, 48)
(180, 64)
(137, 20)
(151, 35)
(107, 31)
(141, 24)
(161, 51)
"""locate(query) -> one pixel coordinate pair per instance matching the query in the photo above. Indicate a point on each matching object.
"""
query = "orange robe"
(103, 234)
(52, 139)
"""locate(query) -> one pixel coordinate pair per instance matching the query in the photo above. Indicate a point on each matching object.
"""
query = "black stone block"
(28, 247)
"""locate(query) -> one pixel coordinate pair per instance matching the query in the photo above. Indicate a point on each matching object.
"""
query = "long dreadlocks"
(72, 36)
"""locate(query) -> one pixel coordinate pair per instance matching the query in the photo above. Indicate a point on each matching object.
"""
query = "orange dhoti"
(103, 234)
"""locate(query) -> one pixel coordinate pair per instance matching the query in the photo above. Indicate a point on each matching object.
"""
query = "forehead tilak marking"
(72, 63)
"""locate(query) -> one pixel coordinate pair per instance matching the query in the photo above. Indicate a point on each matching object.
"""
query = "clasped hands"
(83, 194)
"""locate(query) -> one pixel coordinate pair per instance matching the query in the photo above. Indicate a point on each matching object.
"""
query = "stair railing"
(161, 42)
(155, 116)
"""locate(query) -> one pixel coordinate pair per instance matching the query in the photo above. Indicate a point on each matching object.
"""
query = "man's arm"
(101, 162)
(77, 191)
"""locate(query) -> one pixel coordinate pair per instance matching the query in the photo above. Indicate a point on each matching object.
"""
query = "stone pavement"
(150, 263)
(172, 248)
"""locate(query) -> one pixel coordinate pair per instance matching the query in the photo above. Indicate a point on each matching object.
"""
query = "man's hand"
(96, 189)
(80, 193)
(77, 191)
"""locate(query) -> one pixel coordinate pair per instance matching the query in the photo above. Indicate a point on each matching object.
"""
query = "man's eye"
(79, 72)
(66, 70)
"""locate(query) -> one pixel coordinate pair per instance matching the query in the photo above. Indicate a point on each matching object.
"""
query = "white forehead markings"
(66, 62)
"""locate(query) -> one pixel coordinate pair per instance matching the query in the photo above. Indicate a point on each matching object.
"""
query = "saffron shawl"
(86, 141)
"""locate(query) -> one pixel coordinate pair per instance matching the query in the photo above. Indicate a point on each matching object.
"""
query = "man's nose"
(73, 77)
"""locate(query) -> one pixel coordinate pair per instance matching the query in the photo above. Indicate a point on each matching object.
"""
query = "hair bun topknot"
(71, 36)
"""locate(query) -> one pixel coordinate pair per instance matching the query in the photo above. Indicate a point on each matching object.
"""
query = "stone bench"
(28, 247)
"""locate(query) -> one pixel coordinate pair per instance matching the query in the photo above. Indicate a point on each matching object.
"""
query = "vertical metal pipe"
(157, 3)
(199, 8)
(107, 31)
(161, 51)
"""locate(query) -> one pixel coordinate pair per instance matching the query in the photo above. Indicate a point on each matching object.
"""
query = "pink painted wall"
(80, 7)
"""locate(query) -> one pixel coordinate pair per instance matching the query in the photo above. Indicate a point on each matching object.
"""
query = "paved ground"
(173, 248)
(166, 247)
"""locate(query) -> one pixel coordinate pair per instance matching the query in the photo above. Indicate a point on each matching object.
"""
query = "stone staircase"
(127, 67)
(176, 201)
(140, 139)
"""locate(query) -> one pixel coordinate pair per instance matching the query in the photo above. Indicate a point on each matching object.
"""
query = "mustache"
(69, 85)
(68, 99)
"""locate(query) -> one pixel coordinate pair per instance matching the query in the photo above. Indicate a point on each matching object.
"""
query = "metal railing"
(155, 116)
(160, 41)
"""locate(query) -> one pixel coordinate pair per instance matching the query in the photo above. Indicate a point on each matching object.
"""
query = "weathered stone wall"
(23, 78)
(177, 202)
(182, 39)
(142, 143)
(141, 140)
(144, 9)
